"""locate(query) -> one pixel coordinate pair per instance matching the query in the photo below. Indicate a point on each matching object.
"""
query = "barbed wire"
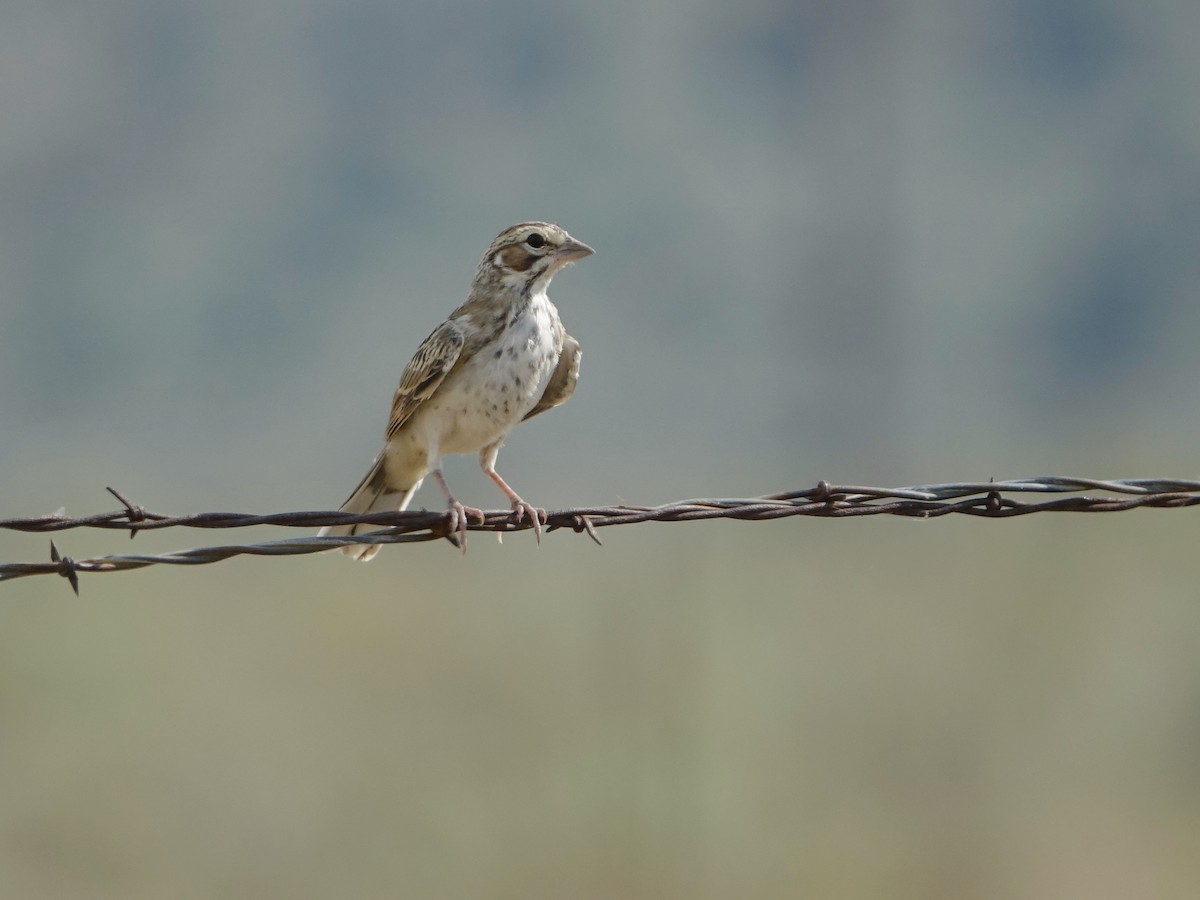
(823, 501)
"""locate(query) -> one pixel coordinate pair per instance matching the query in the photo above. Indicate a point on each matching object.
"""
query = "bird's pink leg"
(487, 461)
(458, 513)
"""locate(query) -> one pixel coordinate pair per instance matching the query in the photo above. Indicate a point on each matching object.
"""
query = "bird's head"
(526, 256)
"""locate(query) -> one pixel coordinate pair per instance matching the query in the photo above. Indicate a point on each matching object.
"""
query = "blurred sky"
(877, 243)
(928, 240)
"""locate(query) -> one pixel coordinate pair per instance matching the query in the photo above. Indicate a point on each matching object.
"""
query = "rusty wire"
(823, 501)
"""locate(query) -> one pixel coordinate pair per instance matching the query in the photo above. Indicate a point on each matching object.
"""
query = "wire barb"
(134, 512)
(66, 568)
(986, 499)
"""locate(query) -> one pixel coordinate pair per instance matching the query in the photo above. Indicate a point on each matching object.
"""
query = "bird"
(500, 358)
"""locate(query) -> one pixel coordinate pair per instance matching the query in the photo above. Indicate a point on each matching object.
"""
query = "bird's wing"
(561, 385)
(425, 372)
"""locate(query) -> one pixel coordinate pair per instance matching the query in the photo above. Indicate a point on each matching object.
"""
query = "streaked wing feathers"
(425, 372)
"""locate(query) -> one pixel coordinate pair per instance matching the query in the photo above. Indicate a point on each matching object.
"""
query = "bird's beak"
(571, 249)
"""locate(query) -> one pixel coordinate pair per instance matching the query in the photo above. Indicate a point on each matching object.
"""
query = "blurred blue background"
(877, 243)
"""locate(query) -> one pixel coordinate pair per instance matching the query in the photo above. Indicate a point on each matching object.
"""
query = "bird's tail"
(372, 495)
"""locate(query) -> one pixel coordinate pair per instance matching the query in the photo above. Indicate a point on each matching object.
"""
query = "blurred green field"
(843, 709)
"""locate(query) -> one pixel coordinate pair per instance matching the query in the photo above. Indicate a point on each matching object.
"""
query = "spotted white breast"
(493, 391)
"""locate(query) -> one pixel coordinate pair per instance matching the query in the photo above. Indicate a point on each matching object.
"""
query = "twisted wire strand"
(983, 499)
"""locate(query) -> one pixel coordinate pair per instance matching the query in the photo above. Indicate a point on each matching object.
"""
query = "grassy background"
(852, 709)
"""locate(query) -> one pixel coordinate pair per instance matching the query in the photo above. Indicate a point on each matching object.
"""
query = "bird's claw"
(457, 519)
(521, 510)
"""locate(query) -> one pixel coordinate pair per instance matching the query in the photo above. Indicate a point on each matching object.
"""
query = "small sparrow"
(502, 357)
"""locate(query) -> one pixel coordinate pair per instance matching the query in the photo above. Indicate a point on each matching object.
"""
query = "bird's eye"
(535, 240)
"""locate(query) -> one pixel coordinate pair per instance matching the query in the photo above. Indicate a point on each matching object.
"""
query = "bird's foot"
(536, 516)
(457, 519)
